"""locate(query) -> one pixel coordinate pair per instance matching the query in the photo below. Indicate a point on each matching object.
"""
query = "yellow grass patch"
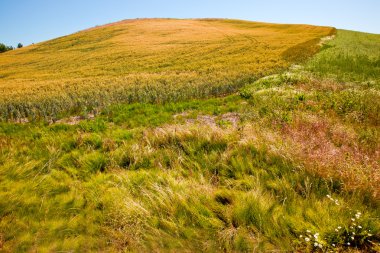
(113, 63)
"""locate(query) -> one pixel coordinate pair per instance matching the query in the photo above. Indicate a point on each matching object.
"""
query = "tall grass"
(182, 179)
(351, 56)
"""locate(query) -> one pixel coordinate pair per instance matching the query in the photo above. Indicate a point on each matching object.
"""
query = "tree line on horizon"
(5, 48)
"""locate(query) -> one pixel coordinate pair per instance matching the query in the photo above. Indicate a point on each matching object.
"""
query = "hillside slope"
(135, 60)
(288, 163)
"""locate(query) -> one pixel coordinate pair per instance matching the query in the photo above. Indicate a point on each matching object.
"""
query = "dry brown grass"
(333, 150)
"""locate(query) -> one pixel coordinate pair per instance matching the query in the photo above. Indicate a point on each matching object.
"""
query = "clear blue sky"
(28, 21)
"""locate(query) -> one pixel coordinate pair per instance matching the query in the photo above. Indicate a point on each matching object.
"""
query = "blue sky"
(29, 21)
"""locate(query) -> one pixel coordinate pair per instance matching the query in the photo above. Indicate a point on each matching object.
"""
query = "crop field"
(276, 155)
(148, 60)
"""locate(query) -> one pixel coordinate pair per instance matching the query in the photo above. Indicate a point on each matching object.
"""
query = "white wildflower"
(307, 239)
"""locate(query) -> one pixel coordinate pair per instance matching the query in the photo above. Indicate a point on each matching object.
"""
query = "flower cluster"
(355, 233)
(350, 235)
(313, 239)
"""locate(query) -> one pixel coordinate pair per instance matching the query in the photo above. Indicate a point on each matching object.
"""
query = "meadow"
(352, 57)
(148, 60)
(286, 162)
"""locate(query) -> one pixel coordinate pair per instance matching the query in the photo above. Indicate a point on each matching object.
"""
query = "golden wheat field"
(146, 60)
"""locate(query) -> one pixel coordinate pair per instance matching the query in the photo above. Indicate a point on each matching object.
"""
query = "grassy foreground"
(147, 60)
(290, 163)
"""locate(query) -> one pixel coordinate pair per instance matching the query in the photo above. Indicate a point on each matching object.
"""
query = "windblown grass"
(292, 163)
(149, 60)
(351, 56)
(218, 174)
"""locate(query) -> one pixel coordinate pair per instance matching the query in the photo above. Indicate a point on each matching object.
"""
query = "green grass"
(121, 183)
(351, 56)
(291, 155)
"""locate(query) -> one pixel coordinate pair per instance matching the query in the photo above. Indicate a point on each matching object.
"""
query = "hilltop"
(134, 60)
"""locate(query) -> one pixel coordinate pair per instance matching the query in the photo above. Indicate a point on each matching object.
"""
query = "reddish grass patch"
(334, 150)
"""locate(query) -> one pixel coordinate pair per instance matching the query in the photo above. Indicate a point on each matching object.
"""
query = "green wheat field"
(192, 135)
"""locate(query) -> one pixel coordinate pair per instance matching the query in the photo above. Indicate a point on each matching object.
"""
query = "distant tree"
(19, 45)
(4, 48)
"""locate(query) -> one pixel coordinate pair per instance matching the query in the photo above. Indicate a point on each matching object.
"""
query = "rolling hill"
(206, 135)
(135, 60)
